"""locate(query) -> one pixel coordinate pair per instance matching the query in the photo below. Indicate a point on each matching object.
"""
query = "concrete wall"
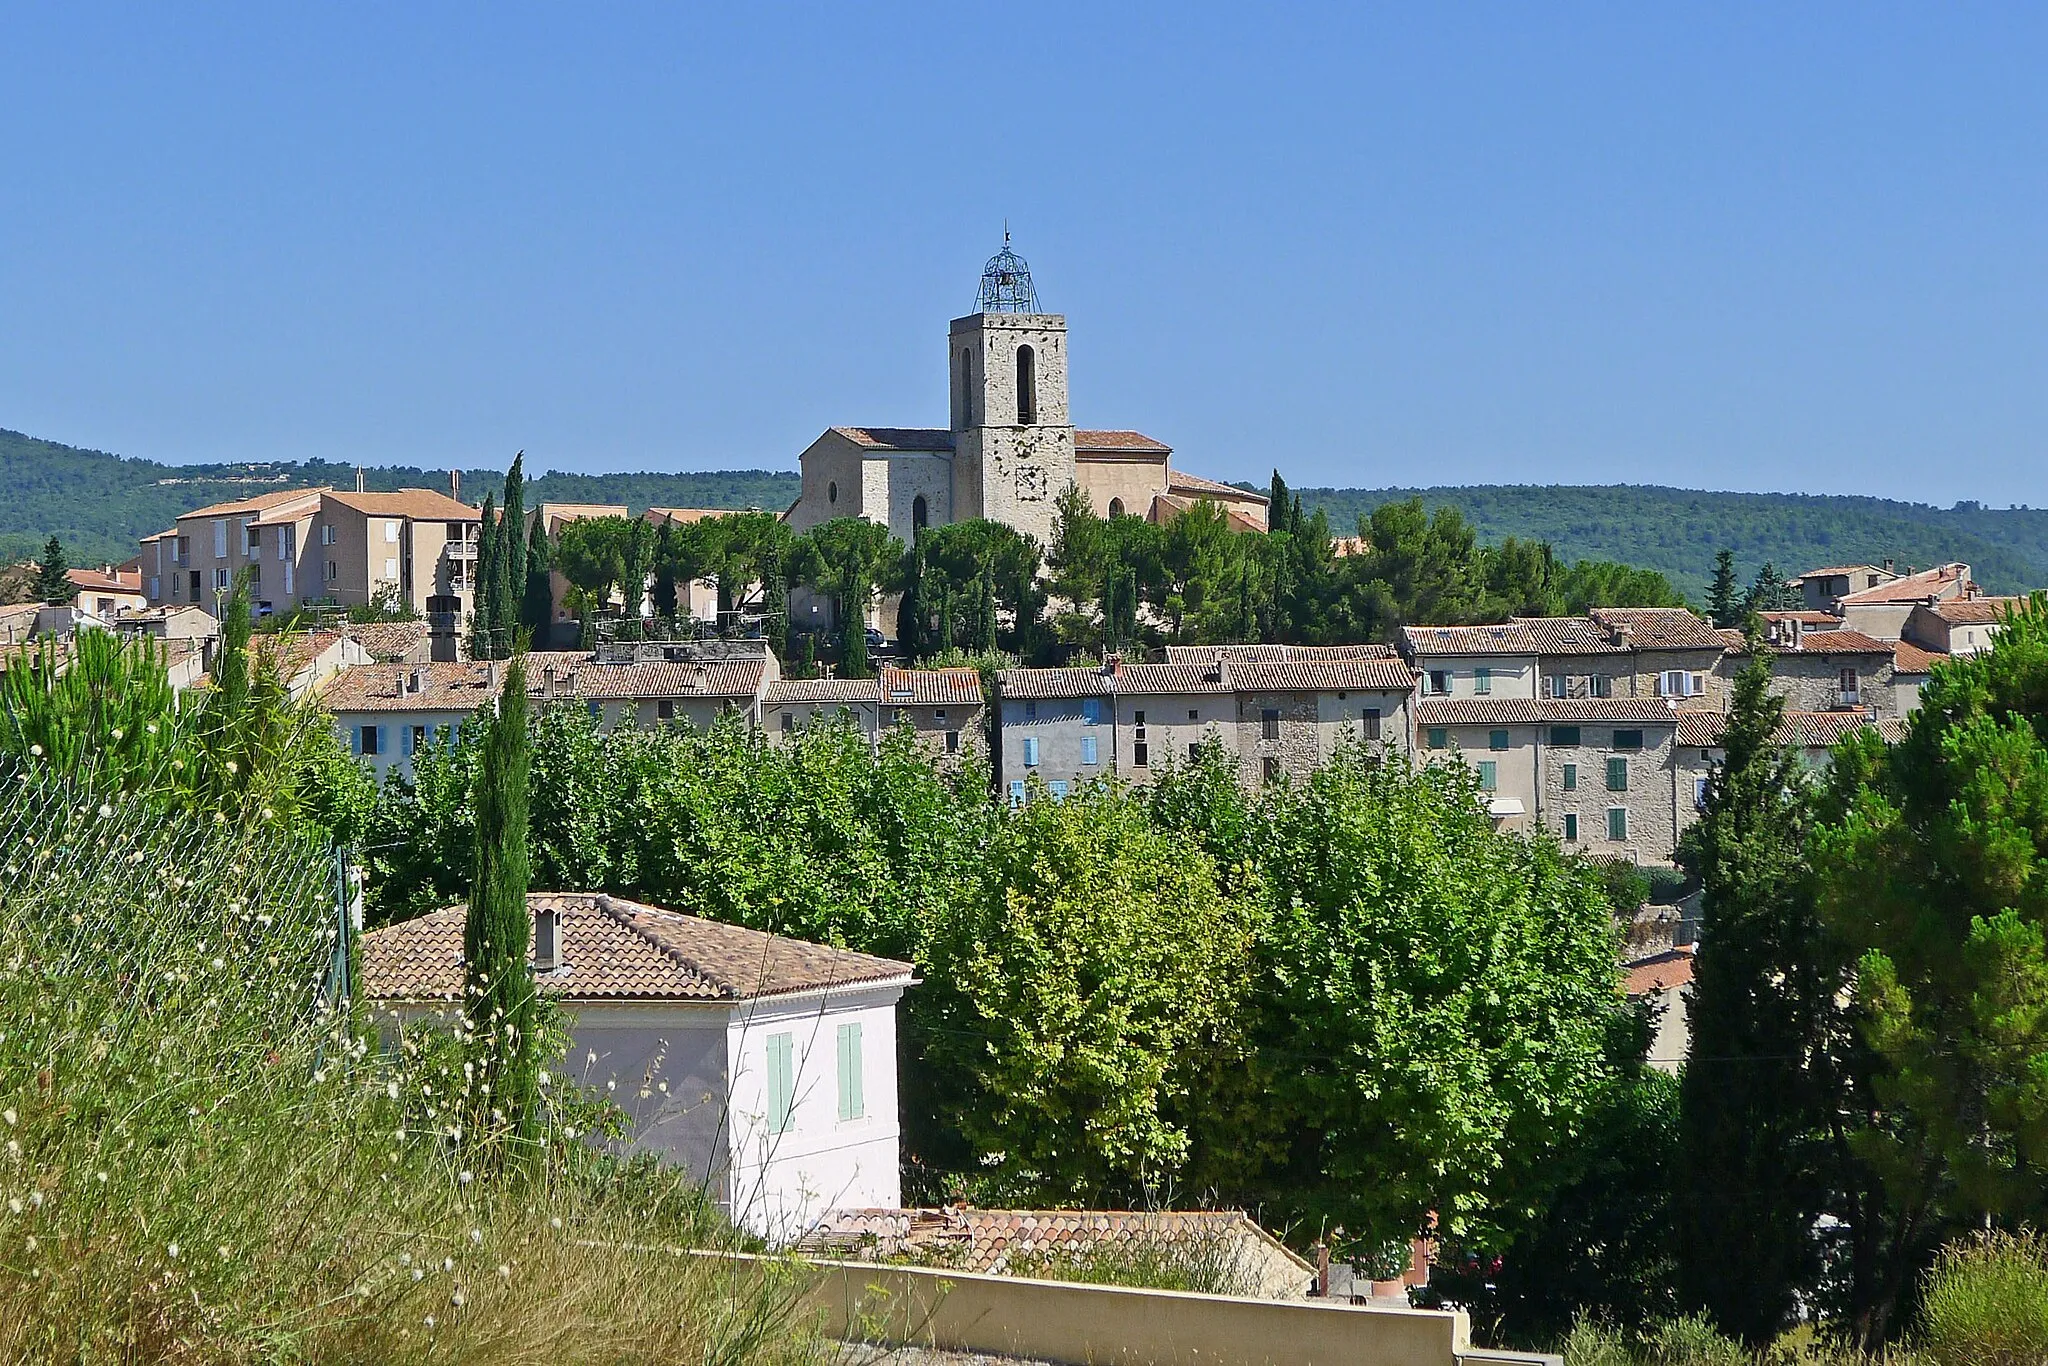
(1059, 725)
(1133, 479)
(402, 736)
(1099, 1325)
(1514, 767)
(666, 1066)
(781, 1182)
(1878, 620)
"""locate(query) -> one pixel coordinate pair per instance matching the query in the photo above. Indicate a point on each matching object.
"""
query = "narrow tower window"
(919, 514)
(1027, 387)
(966, 389)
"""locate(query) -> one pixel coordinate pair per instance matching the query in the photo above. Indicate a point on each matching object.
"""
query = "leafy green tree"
(500, 1001)
(1431, 1013)
(591, 554)
(1935, 873)
(1099, 954)
(53, 582)
(1724, 605)
(775, 606)
(1755, 1104)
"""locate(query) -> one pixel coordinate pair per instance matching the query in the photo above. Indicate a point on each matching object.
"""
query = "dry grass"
(200, 1163)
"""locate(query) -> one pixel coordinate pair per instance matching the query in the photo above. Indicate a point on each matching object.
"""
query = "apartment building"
(416, 547)
(1599, 773)
(1280, 714)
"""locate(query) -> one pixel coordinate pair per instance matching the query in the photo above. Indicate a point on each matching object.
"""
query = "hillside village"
(1022, 621)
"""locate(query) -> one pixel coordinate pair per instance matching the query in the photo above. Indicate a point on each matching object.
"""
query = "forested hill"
(100, 504)
(1678, 531)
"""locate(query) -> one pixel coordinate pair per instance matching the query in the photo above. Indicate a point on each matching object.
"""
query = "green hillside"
(1679, 530)
(99, 504)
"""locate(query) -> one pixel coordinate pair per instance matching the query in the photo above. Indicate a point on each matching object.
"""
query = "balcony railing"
(462, 550)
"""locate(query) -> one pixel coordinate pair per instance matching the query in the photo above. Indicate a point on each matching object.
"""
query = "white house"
(765, 1064)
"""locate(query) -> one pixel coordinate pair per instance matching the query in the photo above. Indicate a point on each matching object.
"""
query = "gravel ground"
(859, 1354)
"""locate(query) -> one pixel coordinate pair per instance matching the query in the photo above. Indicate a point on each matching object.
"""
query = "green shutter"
(1496, 739)
(1571, 827)
(1617, 823)
(1486, 775)
(1617, 775)
(781, 1082)
(1571, 777)
(1439, 737)
(851, 1103)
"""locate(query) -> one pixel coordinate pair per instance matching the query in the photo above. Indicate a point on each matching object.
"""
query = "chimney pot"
(455, 485)
(547, 939)
(360, 485)
(491, 674)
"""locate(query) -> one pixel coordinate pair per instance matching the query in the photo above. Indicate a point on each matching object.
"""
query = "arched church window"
(832, 491)
(919, 514)
(1027, 387)
(1116, 507)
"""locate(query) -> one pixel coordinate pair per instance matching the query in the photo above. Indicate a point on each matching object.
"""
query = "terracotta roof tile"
(931, 687)
(1522, 711)
(256, 503)
(1660, 972)
(1944, 580)
(425, 505)
(461, 686)
(1000, 1241)
(1203, 654)
(1908, 658)
(1840, 643)
(1090, 439)
(823, 690)
(1476, 711)
(1033, 684)
(1973, 611)
(597, 680)
(1369, 675)
(1181, 482)
(1798, 729)
(615, 949)
(387, 640)
(899, 438)
(1836, 570)
(87, 580)
(1507, 638)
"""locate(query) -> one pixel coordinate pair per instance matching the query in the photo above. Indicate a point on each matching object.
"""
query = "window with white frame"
(391, 533)
(220, 539)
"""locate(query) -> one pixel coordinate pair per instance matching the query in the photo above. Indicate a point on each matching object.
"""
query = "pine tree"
(910, 614)
(1724, 608)
(482, 628)
(1751, 1116)
(53, 583)
(498, 989)
(853, 628)
(982, 630)
(537, 606)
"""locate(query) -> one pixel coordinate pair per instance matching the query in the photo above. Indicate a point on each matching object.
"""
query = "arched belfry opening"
(1027, 387)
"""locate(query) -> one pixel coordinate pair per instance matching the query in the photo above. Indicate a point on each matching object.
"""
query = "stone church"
(1011, 445)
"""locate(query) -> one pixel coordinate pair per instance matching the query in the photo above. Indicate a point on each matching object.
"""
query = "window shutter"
(355, 739)
(1617, 775)
(1091, 710)
(1571, 777)
(1030, 752)
(1487, 772)
(1571, 826)
(851, 1102)
(405, 740)
(1017, 792)
(781, 1082)
(382, 748)
(1617, 823)
(1087, 749)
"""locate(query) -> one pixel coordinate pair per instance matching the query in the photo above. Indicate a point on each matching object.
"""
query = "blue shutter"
(405, 740)
(1031, 752)
(1058, 788)
(1017, 792)
(1087, 749)
(355, 739)
(1091, 710)
(382, 746)
(852, 1104)
(781, 1082)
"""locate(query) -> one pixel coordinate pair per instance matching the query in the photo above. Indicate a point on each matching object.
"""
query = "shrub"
(1986, 1303)
(204, 1161)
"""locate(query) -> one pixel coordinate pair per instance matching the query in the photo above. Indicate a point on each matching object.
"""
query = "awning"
(1505, 806)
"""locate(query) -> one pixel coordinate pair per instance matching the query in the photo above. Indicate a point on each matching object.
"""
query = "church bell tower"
(1013, 441)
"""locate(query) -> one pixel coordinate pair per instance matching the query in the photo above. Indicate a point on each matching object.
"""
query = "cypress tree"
(853, 619)
(910, 615)
(1723, 606)
(537, 605)
(665, 571)
(231, 669)
(947, 633)
(53, 584)
(1751, 1117)
(513, 539)
(498, 990)
(1276, 504)
(775, 606)
(482, 630)
(505, 588)
(982, 631)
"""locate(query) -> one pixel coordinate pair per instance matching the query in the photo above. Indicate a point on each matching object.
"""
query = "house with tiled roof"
(410, 547)
(106, 592)
(1278, 714)
(1010, 446)
(1609, 652)
(1957, 626)
(1881, 611)
(1820, 589)
(1665, 980)
(942, 707)
(764, 1065)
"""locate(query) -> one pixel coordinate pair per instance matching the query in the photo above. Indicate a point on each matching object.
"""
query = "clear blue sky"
(1754, 247)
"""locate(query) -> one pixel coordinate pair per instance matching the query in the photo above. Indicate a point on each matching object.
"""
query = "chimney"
(455, 485)
(359, 479)
(1888, 565)
(547, 939)
(491, 674)
(415, 679)
(547, 681)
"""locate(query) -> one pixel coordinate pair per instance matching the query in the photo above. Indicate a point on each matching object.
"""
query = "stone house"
(763, 1064)
(1821, 589)
(943, 706)
(1600, 774)
(1957, 626)
(1819, 665)
(1881, 611)
(1608, 653)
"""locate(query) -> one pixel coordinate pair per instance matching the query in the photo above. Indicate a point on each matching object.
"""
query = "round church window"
(832, 491)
